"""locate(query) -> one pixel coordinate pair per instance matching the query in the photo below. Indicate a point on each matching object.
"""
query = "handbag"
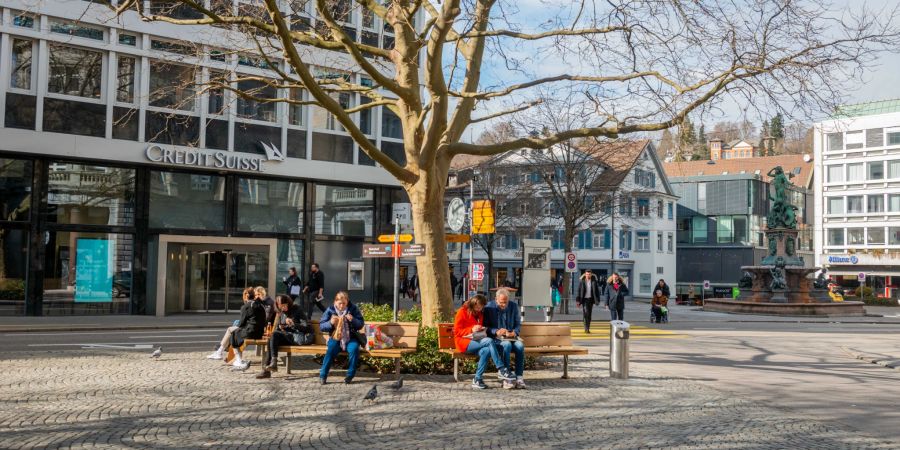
(479, 335)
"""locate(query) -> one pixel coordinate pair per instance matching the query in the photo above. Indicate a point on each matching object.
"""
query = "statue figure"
(782, 214)
(789, 246)
(773, 246)
(778, 281)
(746, 281)
(821, 281)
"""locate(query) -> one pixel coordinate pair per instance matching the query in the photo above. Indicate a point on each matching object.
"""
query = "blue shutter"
(588, 239)
(607, 239)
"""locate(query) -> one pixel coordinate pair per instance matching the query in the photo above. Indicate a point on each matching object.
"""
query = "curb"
(64, 328)
(889, 363)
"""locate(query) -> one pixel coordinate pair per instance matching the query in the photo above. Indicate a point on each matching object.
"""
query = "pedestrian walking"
(588, 295)
(292, 284)
(615, 293)
(314, 290)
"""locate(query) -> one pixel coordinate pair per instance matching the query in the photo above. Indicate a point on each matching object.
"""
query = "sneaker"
(509, 384)
(264, 374)
(216, 355)
(322, 381)
(348, 380)
(479, 384)
(241, 367)
(520, 384)
(505, 374)
(272, 368)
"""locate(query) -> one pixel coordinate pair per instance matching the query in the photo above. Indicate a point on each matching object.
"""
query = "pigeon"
(372, 393)
(397, 384)
(156, 353)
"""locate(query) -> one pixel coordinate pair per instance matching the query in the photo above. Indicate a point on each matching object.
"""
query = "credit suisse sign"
(242, 162)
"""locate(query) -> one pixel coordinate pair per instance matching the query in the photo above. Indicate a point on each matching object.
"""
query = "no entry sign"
(477, 271)
(571, 262)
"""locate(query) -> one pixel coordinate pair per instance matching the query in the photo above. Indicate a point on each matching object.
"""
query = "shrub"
(863, 291)
(875, 301)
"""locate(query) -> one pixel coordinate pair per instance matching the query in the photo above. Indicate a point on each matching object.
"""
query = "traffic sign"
(705, 284)
(458, 238)
(403, 212)
(389, 238)
(861, 276)
(377, 251)
(571, 262)
(477, 271)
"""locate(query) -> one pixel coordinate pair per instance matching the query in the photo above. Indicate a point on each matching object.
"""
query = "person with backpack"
(291, 328)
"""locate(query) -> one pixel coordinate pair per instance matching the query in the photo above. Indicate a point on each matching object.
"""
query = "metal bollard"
(619, 332)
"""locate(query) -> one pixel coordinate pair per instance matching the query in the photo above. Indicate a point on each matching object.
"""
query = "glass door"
(247, 267)
(212, 277)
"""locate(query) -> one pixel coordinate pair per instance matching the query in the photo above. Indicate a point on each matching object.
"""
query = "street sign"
(483, 217)
(477, 271)
(571, 262)
(458, 238)
(456, 214)
(412, 250)
(861, 277)
(389, 238)
(377, 251)
(705, 284)
(403, 212)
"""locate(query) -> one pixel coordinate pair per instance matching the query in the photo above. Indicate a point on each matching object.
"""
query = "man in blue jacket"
(501, 318)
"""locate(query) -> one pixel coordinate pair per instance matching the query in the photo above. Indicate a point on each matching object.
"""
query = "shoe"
(322, 381)
(505, 374)
(348, 380)
(509, 384)
(520, 384)
(478, 384)
(272, 368)
(216, 355)
(264, 374)
(587, 331)
(241, 367)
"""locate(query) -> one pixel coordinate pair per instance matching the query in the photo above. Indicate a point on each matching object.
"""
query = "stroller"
(659, 301)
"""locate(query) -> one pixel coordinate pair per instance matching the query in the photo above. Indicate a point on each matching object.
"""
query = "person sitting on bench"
(501, 317)
(470, 336)
(226, 340)
(267, 303)
(292, 328)
(252, 325)
(342, 321)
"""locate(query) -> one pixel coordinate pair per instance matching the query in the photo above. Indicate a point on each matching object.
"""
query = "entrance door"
(212, 277)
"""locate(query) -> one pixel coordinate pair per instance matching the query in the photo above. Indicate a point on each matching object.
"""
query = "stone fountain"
(781, 284)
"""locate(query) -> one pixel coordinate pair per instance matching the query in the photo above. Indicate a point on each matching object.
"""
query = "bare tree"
(636, 62)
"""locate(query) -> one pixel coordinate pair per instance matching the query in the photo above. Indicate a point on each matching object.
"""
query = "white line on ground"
(170, 336)
(117, 343)
(78, 333)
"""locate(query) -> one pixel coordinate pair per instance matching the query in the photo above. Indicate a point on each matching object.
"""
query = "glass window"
(13, 265)
(855, 172)
(875, 235)
(835, 205)
(390, 124)
(875, 137)
(217, 134)
(875, 203)
(645, 282)
(344, 211)
(128, 39)
(20, 71)
(643, 241)
(15, 190)
(876, 170)
(171, 86)
(894, 202)
(835, 173)
(74, 71)
(270, 206)
(249, 137)
(671, 210)
(699, 229)
(855, 236)
(835, 141)
(741, 232)
(670, 242)
(290, 254)
(324, 120)
(365, 116)
(215, 96)
(23, 20)
(724, 229)
(854, 204)
(87, 273)
(395, 151)
(853, 140)
(256, 108)
(835, 236)
(643, 207)
(295, 112)
(332, 147)
(125, 84)
(187, 201)
(125, 123)
(75, 29)
(21, 110)
(893, 138)
(894, 235)
(176, 129)
(659, 241)
(625, 240)
(893, 169)
(73, 117)
(92, 195)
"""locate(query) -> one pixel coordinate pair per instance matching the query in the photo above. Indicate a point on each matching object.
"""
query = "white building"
(857, 183)
(635, 238)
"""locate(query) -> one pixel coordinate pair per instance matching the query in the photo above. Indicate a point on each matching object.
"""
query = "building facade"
(126, 188)
(722, 214)
(858, 192)
(633, 234)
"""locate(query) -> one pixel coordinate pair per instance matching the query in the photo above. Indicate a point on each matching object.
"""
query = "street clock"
(456, 214)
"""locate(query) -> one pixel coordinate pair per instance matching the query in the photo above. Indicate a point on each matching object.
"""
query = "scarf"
(616, 286)
(342, 330)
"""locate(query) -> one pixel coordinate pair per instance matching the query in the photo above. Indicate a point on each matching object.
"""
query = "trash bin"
(619, 332)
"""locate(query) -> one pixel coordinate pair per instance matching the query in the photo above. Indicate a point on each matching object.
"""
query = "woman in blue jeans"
(342, 321)
(470, 336)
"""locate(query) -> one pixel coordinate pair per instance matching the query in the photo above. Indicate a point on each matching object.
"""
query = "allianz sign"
(852, 259)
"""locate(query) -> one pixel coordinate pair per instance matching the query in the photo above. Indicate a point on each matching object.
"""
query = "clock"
(456, 214)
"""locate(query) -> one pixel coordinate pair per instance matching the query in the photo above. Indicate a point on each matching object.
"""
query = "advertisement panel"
(93, 274)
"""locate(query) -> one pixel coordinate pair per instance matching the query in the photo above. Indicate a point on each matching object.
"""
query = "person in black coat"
(615, 293)
(293, 284)
(589, 292)
(292, 328)
(314, 290)
(252, 325)
(662, 286)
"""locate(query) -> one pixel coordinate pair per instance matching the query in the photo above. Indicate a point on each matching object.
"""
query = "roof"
(868, 108)
(461, 162)
(790, 163)
(735, 142)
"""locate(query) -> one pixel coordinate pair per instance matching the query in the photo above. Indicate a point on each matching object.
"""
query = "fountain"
(781, 285)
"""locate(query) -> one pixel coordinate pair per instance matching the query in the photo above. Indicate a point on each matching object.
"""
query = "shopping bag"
(376, 340)
(556, 298)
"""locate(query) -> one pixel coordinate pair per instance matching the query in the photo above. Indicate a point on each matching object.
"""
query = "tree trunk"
(427, 198)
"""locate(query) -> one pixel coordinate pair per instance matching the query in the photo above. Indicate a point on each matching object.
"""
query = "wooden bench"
(404, 334)
(541, 339)
(262, 345)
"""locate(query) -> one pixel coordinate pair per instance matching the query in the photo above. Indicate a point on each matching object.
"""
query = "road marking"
(81, 333)
(118, 343)
(166, 337)
(121, 347)
(600, 330)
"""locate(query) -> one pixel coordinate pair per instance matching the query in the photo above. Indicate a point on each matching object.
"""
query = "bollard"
(619, 332)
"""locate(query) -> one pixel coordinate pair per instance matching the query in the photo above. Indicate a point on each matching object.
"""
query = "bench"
(262, 345)
(404, 334)
(541, 339)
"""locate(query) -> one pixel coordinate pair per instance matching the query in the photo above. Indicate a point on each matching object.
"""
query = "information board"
(93, 274)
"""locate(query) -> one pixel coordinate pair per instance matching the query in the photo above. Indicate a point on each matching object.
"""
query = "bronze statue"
(746, 281)
(778, 280)
(782, 214)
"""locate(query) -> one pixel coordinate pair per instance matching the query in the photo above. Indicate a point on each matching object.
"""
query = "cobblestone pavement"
(116, 399)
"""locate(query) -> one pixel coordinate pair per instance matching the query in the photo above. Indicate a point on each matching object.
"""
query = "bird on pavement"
(372, 393)
(156, 353)
(397, 384)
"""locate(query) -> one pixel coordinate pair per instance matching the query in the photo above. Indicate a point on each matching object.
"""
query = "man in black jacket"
(292, 329)
(588, 294)
(314, 290)
(252, 325)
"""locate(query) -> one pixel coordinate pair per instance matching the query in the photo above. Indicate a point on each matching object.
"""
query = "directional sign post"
(389, 238)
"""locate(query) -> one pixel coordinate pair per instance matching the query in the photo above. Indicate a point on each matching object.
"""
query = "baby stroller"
(659, 301)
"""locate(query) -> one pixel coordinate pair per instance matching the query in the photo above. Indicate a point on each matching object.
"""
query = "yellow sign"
(459, 238)
(483, 217)
(388, 238)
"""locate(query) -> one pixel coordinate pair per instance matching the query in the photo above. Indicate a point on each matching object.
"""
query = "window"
(855, 204)
(74, 71)
(90, 195)
(584, 240)
(365, 116)
(724, 229)
(875, 235)
(20, 71)
(15, 190)
(855, 172)
(75, 29)
(332, 147)
(557, 240)
(875, 137)
(659, 241)
(853, 140)
(671, 207)
(835, 236)
(390, 124)
(670, 242)
(893, 202)
(645, 282)
(855, 236)
(699, 229)
(171, 86)
(893, 169)
(659, 209)
(835, 141)
(216, 96)
(295, 112)
(625, 206)
(875, 203)
(643, 207)
(741, 232)
(270, 206)
(835, 205)
(128, 39)
(125, 70)
(876, 170)
(602, 239)
(93, 267)
(254, 109)
(344, 211)
(625, 240)
(701, 197)
(187, 201)
(523, 208)
(894, 235)
(643, 241)
(893, 138)
(23, 20)
(835, 173)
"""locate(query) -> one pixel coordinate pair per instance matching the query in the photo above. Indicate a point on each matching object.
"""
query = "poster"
(355, 275)
(536, 275)
(93, 274)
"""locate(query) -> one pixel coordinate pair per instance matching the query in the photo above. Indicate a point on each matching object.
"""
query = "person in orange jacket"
(470, 336)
